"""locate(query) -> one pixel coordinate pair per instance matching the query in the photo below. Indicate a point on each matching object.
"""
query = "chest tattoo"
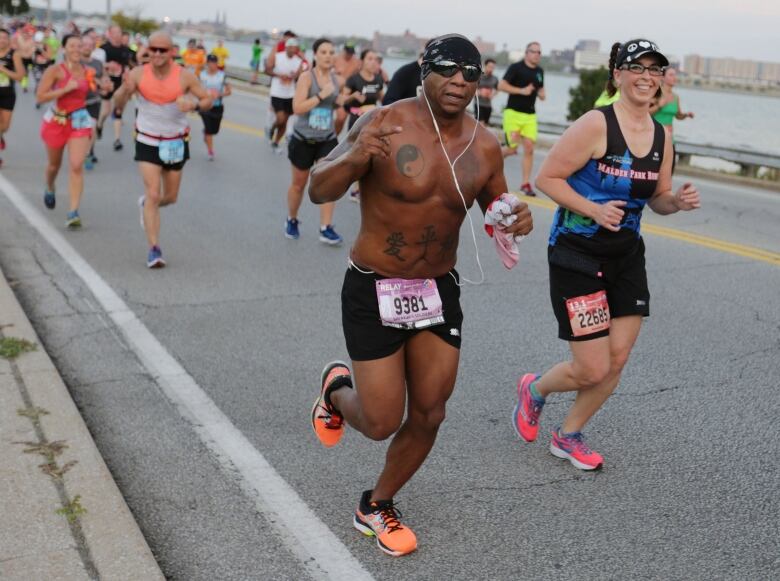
(409, 161)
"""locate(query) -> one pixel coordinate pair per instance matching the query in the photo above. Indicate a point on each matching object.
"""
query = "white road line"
(318, 549)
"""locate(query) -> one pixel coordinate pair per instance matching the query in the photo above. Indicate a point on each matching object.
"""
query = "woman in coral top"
(66, 123)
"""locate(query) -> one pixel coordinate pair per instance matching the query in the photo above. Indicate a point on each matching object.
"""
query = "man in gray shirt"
(98, 83)
(486, 90)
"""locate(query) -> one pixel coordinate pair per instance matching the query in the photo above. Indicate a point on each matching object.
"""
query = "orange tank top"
(161, 91)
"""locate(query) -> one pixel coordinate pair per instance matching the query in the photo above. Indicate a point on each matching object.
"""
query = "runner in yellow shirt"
(222, 54)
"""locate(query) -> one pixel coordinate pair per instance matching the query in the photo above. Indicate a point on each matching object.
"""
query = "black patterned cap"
(634, 49)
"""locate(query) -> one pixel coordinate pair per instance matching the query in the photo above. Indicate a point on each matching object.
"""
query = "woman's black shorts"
(151, 154)
(304, 153)
(8, 100)
(212, 119)
(367, 339)
(575, 275)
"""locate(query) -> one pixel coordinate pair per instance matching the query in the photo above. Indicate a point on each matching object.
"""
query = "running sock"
(337, 384)
(534, 393)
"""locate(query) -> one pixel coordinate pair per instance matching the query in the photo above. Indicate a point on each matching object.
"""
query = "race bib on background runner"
(321, 118)
(409, 304)
(80, 119)
(588, 314)
(171, 151)
(5, 80)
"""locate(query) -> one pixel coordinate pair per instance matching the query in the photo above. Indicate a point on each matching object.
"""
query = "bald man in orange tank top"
(162, 131)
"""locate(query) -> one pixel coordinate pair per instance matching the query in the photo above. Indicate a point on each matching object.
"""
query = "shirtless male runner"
(405, 352)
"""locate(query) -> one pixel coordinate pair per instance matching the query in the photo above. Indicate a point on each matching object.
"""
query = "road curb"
(36, 413)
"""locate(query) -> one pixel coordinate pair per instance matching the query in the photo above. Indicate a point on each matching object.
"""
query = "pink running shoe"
(525, 417)
(572, 447)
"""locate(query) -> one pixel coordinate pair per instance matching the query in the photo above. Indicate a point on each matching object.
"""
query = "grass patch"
(33, 413)
(11, 347)
(73, 510)
(56, 471)
(49, 450)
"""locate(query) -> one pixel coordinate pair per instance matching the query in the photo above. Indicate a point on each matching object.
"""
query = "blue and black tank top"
(618, 175)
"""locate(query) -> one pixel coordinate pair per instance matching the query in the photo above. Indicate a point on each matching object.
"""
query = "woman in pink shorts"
(67, 123)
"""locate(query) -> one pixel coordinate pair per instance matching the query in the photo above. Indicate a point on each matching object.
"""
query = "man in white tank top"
(162, 144)
(287, 67)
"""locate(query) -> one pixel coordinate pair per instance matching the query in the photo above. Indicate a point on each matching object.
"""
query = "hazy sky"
(739, 28)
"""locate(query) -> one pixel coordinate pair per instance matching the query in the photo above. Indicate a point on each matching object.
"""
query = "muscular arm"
(496, 184)
(331, 178)
(194, 88)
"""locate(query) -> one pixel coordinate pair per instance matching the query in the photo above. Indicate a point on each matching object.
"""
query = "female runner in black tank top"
(11, 70)
(601, 173)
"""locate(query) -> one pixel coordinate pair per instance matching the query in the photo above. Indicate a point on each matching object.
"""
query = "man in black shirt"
(118, 60)
(404, 83)
(524, 81)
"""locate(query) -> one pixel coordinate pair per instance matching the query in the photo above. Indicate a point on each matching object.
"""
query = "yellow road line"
(243, 128)
(696, 239)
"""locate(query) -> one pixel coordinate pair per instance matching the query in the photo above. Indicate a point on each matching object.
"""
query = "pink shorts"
(56, 135)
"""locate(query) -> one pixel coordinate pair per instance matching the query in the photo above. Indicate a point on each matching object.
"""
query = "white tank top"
(284, 65)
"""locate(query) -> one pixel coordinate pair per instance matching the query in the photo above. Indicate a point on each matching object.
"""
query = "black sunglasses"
(471, 73)
(158, 49)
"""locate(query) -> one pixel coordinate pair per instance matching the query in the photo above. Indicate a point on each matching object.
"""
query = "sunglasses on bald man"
(471, 73)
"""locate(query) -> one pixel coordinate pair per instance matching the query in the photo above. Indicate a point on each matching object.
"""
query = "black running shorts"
(8, 100)
(280, 104)
(151, 154)
(94, 110)
(573, 275)
(304, 153)
(212, 119)
(367, 339)
(484, 113)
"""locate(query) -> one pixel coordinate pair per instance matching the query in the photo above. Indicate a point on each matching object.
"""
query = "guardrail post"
(748, 169)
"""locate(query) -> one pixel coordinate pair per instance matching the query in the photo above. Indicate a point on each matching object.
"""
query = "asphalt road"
(690, 487)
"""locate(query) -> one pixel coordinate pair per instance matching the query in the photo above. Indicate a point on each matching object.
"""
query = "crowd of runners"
(416, 159)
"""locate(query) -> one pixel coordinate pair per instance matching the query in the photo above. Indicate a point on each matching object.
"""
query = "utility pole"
(48, 11)
(108, 14)
(68, 12)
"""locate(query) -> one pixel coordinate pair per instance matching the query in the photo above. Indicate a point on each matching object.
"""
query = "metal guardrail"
(749, 161)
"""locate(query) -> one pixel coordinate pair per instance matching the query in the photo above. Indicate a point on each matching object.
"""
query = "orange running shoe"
(381, 519)
(327, 422)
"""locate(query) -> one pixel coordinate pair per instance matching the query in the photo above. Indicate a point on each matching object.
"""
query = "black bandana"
(450, 47)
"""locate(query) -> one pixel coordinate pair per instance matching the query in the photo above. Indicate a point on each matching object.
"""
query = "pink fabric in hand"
(497, 218)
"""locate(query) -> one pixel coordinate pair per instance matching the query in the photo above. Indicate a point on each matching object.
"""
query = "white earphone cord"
(455, 179)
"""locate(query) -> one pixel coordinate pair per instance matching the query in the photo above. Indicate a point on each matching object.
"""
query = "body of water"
(724, 119)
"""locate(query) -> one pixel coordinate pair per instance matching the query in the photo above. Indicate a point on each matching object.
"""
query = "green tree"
(14, 7)
(134, 23)
(586, 92)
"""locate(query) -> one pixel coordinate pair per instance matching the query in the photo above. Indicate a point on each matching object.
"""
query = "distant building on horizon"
(731, 70)
(588, 45)
(405, 44)
(484, 47)
(408, 44)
